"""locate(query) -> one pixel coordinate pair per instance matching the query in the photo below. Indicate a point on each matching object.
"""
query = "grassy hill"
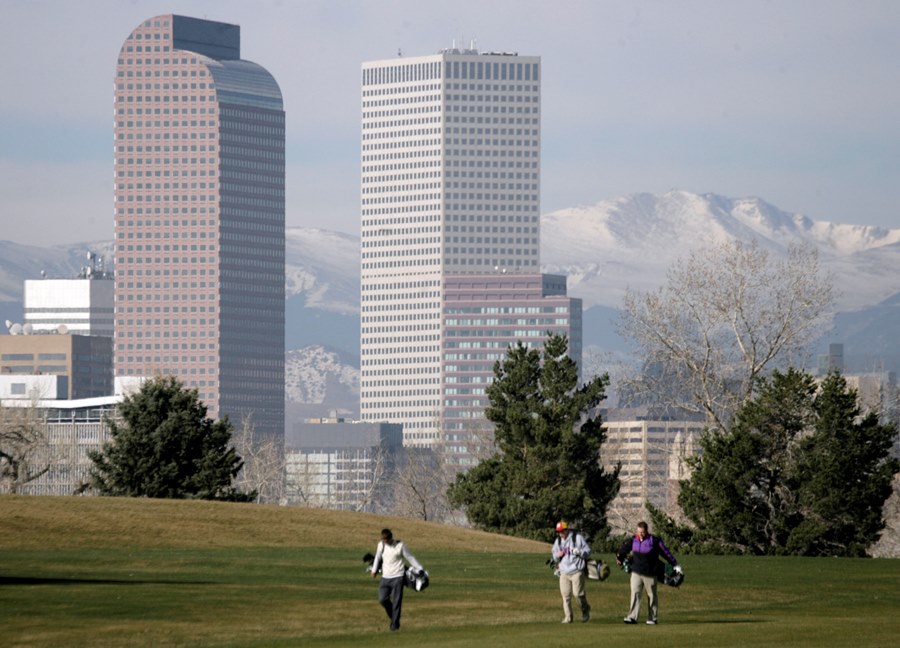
(132, 572)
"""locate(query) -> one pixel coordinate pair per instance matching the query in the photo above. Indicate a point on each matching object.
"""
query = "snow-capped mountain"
(322, 267)
(20, 262)
(312, 372)
(631, 241)
(603, 249)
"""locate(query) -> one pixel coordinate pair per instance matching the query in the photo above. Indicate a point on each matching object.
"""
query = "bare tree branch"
(725, 316)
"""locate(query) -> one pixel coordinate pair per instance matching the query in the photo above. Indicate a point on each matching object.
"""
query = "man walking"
(644, 551)
(570, 552)
(390, 555)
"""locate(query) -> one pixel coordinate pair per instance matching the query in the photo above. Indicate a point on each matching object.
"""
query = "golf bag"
(671, 576)
(416, 579)
(597, 570)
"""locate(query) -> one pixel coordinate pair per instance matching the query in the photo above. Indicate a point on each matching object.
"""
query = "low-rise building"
(82, 363)
(652, 452)
(340, 464)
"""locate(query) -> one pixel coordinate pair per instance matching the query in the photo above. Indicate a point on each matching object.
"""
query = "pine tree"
(845, 473)
(741, 495)
(166, 447)
(549, 438)
(799, 472)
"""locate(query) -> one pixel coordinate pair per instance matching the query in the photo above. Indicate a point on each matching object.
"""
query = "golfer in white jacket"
(389, 556)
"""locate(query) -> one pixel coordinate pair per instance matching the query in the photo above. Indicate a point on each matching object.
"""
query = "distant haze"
(794, 102)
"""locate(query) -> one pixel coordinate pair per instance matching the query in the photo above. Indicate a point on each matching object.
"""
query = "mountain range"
(603, 249)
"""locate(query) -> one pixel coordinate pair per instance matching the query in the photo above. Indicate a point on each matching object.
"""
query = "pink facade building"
(482, 316)
(199, 217)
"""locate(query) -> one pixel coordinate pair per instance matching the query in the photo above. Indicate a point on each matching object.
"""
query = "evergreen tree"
(798, 472)
(845, 473)
(742, 490)
(166, 447)
(549, 438)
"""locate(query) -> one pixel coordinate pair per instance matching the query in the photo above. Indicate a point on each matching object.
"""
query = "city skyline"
(793, 104)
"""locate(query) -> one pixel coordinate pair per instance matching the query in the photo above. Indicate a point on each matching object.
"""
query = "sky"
(796, 102)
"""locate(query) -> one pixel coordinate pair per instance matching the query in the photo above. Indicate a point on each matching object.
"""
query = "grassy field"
(122, 572)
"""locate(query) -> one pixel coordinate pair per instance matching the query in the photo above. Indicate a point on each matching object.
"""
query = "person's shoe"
(567, 620)
(630, 621)
(651, 621)
(586, 614)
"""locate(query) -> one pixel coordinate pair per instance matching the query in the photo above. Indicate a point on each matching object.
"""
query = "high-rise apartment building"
(199, 217)
(450, 186)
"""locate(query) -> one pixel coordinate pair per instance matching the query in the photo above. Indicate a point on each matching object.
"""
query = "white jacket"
(390, 559)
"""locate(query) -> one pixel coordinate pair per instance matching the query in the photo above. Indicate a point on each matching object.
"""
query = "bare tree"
(24, 445)
(366, 485)
(420, 484)
(725, 316)
(263, 469)
(302, 482)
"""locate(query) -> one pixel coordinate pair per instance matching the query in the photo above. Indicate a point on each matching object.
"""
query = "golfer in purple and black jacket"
(644, 551)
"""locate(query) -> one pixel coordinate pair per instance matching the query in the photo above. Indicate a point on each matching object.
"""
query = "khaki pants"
(573, 585)
(638, 584)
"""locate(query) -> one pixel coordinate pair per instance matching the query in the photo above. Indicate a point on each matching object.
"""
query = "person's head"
(387, 537)
(562, 528)
(642, 530)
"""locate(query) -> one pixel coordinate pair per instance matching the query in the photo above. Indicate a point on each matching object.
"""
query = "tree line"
(787, 464)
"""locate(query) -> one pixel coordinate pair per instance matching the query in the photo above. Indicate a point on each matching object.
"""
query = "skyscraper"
(199, 217)
(450, 186)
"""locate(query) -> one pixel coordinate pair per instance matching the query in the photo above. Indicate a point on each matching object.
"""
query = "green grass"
(120, 572)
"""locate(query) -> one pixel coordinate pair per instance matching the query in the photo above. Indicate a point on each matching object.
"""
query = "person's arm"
(377, 562)
(623, 552)
(558, 552)
(584, 548)
(410, 558)
(664, 550)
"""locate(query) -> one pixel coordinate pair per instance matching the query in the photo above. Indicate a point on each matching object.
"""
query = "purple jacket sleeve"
(664, 550)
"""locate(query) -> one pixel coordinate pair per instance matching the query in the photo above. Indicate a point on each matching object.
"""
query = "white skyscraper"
(450, 185)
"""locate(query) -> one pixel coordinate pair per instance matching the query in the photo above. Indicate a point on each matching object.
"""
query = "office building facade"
(80, 365)
(78, 306)
(482, 316)
(450, 170)
(342, 465)
(199, 217)
(653, 453)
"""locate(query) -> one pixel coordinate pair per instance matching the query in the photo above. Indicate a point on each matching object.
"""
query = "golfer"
(644, 550)
(389, 556)
(570, 551)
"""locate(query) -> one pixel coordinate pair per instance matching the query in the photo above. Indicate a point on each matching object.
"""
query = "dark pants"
(390, 595)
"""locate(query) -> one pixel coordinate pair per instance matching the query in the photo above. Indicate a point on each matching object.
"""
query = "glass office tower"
(199, 217)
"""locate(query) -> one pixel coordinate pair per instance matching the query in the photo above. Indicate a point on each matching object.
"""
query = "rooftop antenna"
(399, 52)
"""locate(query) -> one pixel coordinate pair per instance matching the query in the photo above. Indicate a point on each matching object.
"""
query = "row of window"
(29, 357)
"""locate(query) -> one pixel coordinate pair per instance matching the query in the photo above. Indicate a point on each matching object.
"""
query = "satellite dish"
(15, 329)
(62, 329)
(27, 329)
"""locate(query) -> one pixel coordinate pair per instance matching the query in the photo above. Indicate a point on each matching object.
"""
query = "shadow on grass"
(709, 621)
(28, 580)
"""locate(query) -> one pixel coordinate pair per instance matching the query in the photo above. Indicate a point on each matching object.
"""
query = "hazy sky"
(796, 102)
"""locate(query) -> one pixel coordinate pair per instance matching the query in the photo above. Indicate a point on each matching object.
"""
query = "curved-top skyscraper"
(199, 217)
